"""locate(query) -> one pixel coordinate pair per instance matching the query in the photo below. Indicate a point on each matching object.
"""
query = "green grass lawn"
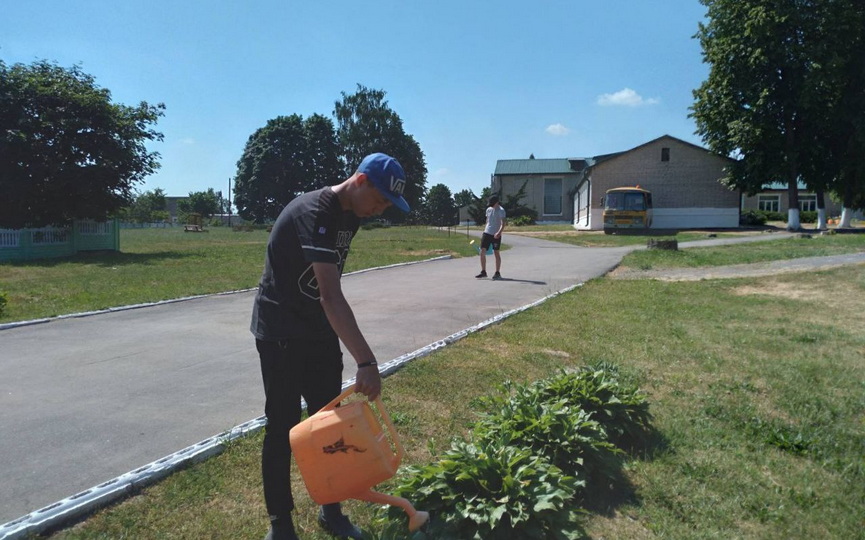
(161, 264)
(770, 250)
(757, 387)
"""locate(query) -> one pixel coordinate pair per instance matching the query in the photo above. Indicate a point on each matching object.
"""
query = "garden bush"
(531, 458)
(752, 218)
(613, 400)
(2, 302)
(489, 491)
(774, 216)
(522, 221)
(551, 426)
(760, 217)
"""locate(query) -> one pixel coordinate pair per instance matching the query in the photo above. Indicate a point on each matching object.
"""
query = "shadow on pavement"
(521, 281)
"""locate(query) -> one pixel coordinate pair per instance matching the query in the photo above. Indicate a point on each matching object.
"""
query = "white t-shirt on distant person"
(495, 216)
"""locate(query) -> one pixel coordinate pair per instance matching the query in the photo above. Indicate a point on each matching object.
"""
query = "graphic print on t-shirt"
(307, 283)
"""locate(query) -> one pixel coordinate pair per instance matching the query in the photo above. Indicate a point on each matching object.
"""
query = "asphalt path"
(87, 399)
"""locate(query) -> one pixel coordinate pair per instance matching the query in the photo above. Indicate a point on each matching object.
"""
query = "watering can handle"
(399, 450)
(338, 399)
(380, 406)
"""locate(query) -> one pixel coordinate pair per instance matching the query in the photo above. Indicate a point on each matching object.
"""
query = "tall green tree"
(439, 207)
(366, 124)
(841, 129)
(478, 208)
(287, 157)
(148, 207)
(205, 203)
(762, 90)
(322, 151)
(515, 207)
(66, 150)
(464, 197)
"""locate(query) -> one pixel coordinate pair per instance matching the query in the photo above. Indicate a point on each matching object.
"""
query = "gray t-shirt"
(495, 216)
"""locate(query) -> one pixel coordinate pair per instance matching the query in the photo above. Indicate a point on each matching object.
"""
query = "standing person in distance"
(299, 316)
(492, 236)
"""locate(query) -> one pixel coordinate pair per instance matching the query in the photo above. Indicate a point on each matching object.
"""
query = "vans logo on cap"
(397, 185)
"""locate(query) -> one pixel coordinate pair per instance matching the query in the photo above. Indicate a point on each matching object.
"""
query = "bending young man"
(299, 316)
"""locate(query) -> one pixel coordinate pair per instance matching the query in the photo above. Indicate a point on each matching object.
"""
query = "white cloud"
(627, 98)
(187, 140)
(557, 130)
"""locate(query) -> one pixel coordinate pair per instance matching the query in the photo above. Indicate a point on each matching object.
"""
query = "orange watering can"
(343, 452)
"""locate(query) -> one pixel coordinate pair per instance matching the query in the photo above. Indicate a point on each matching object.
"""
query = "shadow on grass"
(604, 496)
(103, 258)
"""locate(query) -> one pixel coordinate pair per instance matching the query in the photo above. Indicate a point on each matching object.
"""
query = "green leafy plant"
(488, 491)
(522, 221)
(808, 217)
(786, 437)
(615, 402)
(2, 302)
(556, 428)
(752, 218)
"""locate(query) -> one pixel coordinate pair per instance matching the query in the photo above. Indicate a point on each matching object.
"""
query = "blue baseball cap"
(387, 176)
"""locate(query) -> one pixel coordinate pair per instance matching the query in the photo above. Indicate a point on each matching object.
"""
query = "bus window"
(635, 202)
(614, 201)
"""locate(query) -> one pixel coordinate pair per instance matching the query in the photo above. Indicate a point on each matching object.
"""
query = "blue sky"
(473, 82)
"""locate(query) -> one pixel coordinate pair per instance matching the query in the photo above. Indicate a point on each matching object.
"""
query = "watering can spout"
(416, 518)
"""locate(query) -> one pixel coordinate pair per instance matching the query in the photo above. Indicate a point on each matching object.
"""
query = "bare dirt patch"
(427, 252)
(782, 289)
(541, 234)
(558, 354)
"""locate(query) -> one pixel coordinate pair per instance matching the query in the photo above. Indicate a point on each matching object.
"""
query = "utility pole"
(229, 201)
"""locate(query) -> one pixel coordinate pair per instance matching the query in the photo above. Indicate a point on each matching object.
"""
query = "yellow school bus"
(626, 209)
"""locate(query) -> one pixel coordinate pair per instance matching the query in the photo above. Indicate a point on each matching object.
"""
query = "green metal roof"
(533, 166)
(549, 166)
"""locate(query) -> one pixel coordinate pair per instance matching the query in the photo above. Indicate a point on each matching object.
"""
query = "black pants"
(290, 370)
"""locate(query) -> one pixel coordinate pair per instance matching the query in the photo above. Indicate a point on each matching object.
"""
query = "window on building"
(769, 203)
(665, 154)
(553, 196)
(808, 203)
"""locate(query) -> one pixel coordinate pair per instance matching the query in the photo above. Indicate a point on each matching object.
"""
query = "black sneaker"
(339, 526)
(482, 274)
(280, 531)
(497, 276)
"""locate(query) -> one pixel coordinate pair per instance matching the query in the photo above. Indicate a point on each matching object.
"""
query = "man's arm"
(341, 318)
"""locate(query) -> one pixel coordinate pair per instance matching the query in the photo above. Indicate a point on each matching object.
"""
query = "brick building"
(684, 180)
